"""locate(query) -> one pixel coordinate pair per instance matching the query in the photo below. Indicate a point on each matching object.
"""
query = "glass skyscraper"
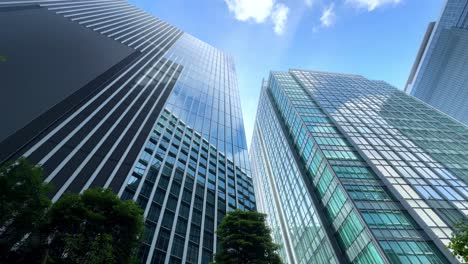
(352, 170)
(103, 94)
(440, 72)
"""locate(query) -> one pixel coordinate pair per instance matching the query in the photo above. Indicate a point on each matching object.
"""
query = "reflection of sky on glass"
(206, 96)
(453, 16)
(403, 138)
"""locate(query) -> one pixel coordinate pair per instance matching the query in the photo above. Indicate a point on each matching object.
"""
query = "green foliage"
(23, 205)
(93, 227)
(244, 238)
(459, 242)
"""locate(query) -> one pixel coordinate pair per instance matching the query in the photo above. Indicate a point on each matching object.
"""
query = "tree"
(244, 238)
(23, 206)
(95, 227)
(459, 242)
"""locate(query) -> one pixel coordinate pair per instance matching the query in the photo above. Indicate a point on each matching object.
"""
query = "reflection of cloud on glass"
(237, 155)
(208, 105)
(410, 131)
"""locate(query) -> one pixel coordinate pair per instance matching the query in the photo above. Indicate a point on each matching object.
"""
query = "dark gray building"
(439, 75)
(352, 170)
(101, 93)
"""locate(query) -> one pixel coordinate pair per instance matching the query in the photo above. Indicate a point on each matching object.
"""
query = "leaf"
(245, 238)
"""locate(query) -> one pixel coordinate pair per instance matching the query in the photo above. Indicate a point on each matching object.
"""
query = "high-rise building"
(439, 75)
(352, 170)
(101, 93)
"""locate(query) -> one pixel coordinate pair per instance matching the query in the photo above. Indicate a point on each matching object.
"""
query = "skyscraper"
(352, 170)
(440, 72)
(101, 93)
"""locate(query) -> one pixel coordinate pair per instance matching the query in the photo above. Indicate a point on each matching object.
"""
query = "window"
(163, 240)
(195, 233)
(154, 212)
(178, 247)
(148, 233)
(168, 219)
(192, 253)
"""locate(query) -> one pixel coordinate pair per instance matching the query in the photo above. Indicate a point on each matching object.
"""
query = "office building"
(439, 75)
(103, 94)
(352, 170)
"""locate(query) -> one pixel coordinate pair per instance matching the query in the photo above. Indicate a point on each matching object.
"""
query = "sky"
(377, 39)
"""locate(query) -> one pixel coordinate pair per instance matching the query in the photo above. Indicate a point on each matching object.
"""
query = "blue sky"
(378, 39)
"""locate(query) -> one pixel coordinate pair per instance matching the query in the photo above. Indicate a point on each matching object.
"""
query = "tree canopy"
(93, 227)
(459, 242)
(23, 207)
(244, 238)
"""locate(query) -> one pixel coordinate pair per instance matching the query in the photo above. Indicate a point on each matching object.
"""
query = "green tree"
(244, 238)
(459, 241)
(95, 227)
(23, 205)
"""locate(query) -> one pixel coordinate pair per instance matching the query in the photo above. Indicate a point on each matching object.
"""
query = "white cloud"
(328, 16)
(370, 5)
(256, 10)
(309, 3)
(279, 17)
(260, 11)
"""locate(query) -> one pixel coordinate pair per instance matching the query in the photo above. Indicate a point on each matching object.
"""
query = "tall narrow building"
(103, 94)
(439, 75)
(352, 170)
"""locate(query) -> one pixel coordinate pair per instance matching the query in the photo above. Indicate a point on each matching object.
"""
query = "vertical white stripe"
(98, 11)
(58, 146)
(142, 22)
(105, 19)
(109, 180)
(55, 130)
(160, 26)
(73, 8)
(103, 162)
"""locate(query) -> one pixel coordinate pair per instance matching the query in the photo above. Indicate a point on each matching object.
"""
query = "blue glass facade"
(440, 76)
(385, 173)
(193, 169)
(158, 119)
(292, 215)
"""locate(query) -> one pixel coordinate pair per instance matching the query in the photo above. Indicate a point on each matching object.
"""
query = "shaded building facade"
(103, 94)
(439, 75)
(352, 170)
